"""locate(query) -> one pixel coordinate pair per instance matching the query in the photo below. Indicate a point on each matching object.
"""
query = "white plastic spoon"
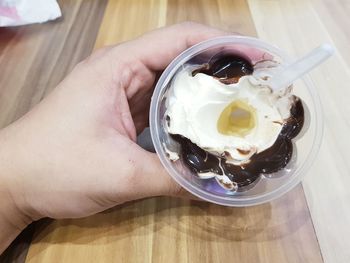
(288, 74)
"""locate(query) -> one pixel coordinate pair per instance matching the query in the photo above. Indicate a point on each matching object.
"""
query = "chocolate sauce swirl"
(294, 124)
(229, 69)
(199, 160)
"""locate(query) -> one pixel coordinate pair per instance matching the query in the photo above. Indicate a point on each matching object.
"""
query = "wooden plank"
(170, 230)
(127, 19)
(166, 229)
(33, 60)
(298, 26)
(334, 16)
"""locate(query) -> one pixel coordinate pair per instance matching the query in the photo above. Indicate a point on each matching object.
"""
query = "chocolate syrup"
(269, 161)
(295, 122)
(228, 69)
(196, 158)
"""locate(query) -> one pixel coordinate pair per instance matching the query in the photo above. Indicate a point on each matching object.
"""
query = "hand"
(75, 154)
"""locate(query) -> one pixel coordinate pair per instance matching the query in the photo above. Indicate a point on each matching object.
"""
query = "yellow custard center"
(237, 119)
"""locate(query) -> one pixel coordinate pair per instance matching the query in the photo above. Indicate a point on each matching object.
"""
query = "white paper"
(23, 12)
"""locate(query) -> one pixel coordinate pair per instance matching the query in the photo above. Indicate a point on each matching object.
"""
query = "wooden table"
(309, 224)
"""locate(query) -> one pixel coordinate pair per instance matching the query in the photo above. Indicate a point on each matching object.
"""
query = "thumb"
(156, 181)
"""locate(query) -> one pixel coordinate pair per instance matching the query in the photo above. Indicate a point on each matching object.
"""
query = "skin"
(74, 154)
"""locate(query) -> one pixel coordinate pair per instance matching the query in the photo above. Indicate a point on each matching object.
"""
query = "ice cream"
(240, 118)
(231, 126)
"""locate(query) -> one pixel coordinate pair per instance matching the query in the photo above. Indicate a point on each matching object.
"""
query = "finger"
(184, 194)
(139, 106)
(158, 48)
(156, 181)
(153, 179)
(124, 113)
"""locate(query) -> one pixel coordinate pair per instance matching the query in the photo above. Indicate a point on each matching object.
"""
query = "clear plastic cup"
(267, 187)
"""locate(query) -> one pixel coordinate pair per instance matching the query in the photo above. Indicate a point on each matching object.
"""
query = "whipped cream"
(195, 103)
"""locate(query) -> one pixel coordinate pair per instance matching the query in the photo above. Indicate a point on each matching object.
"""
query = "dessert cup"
(266, 187)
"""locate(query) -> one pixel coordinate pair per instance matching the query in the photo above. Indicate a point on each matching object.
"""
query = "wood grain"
(35, 58)
(127, 19)
(299, 26)
(170, 230)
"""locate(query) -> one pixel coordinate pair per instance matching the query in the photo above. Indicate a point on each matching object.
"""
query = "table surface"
(309, 224)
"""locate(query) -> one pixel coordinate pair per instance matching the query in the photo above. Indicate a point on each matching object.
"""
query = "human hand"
(75, 154)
